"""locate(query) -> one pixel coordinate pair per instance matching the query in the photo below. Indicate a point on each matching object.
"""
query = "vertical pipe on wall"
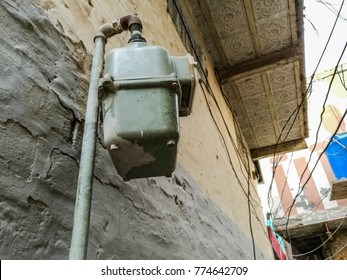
(80, 231)
(79, 240)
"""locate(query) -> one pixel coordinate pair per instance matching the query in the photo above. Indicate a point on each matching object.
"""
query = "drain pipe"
(80, 231)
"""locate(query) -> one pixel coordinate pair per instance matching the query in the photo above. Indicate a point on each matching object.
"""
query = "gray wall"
(43, 85)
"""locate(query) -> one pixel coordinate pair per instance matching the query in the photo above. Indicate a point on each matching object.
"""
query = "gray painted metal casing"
(141, 110)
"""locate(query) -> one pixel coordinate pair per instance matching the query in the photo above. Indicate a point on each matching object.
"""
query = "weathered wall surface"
(336, 248)
(199, 213)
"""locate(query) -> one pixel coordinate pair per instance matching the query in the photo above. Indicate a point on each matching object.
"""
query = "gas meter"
(143, 93)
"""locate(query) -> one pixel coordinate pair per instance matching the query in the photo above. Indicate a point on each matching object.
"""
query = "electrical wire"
(331, 8)
(223, 140)
(248, 193)
(295, 112)
(343, 148)
(196, 55)
(300, 190)
(275, 165)
(295, 198)
(342, 79)
(328, 258)
(246, 166)
(250, 214)
(315, 249)
(221, 135)
(311, 211)
(314, 28)
(285, 182)
(308, 94)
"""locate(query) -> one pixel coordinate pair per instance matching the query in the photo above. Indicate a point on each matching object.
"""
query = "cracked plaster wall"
(45, 55)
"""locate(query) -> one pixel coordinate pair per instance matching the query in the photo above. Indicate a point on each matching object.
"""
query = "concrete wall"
(199, 213)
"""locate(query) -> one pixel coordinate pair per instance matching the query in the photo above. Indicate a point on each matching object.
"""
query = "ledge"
(339, 189)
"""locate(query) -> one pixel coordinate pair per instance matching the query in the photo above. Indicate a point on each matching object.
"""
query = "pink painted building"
(307, 202)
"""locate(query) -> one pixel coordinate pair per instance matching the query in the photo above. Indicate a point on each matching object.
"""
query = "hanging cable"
(342, 79)
(343, 247)
(323, 110)
(315, 249)
(308, 94)
(285, 182)
(243, 165)
(248, 193)
(300, 190)
(324, 195)
(250, 213)
(211, 93)
(221, 134)
(331, 8)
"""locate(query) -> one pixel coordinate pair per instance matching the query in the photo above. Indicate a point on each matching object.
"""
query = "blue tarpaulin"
(337, 155)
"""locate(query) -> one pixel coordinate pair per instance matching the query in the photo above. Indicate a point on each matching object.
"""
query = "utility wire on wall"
(248, 179)
(248, 194)
(293, 117)
(202, 70)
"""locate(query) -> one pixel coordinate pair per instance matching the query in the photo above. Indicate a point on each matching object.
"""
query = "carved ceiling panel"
(257, 48)
(231, 24)
(273, 24)
(266, 104)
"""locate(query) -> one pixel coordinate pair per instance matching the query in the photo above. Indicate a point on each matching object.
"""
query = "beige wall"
(216, 162)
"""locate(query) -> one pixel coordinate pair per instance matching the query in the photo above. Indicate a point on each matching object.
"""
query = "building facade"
(208, 209)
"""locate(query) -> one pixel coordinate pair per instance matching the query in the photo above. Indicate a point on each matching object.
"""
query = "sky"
(319, 20)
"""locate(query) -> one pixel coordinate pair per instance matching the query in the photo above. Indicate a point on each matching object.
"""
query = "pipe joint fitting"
(129, 20)
(109, 29)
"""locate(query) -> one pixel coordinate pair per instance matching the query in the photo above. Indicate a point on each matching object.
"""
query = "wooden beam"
(287, 55)
(285, 147)
(292, 17)
(213, 31)
(339, 189)
(252, 26)
(270, 103)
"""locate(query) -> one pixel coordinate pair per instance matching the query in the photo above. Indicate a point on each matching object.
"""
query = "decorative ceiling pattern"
(269, 103)
(257, 49)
